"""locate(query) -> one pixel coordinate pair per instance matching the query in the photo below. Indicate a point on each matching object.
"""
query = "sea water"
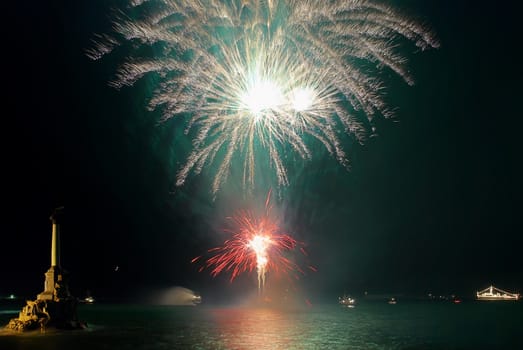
(373, 325)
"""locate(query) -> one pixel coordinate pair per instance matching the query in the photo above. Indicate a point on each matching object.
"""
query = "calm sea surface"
(375, 325)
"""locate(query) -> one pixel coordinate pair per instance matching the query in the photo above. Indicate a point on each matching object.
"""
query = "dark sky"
(432, 204)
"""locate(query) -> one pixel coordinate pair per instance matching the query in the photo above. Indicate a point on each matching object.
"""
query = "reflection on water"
(424, 326)
(256, 328)
(9, 312)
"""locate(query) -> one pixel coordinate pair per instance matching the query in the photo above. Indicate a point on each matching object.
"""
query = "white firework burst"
(254, 76)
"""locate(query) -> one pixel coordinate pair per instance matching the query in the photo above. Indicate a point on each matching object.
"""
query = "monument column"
(55, 242)
(52, 275)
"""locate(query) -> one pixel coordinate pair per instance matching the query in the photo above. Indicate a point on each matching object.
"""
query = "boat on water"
(347, 301)
(493, 293)
(196, 299)
(392, 301)
(87, 300)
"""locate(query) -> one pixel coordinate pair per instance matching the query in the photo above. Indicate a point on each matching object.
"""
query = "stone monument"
(55, 306)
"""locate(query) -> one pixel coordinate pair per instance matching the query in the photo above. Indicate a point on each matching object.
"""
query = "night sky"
(430, 205)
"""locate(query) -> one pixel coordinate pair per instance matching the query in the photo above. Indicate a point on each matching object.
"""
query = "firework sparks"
(255, 243)
(260, 76)
(260, 244)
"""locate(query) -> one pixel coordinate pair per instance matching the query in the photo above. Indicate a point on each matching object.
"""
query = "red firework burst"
(255, 243)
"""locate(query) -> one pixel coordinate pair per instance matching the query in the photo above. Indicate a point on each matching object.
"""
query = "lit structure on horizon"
(492, 293)
(257, 78)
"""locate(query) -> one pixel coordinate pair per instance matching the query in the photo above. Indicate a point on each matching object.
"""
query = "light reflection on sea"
(406, 326)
